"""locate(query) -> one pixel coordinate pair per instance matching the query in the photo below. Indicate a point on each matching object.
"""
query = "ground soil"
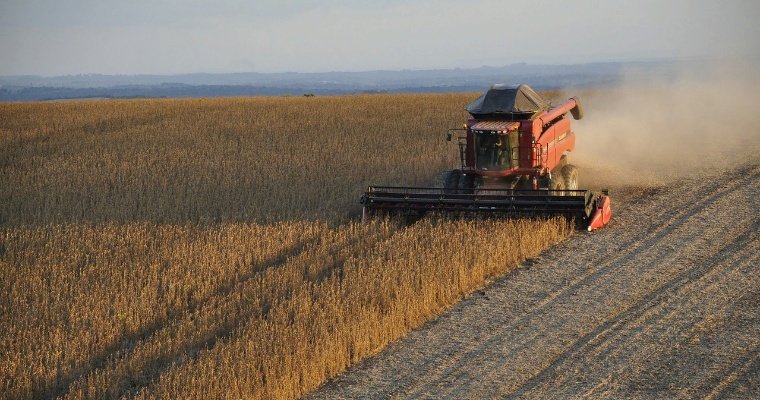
(663, 303)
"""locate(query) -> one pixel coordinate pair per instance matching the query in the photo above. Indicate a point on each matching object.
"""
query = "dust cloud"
(654, 129)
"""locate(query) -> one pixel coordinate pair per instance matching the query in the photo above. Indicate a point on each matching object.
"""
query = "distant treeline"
(51, 93)
(181, 91)
(56, 93)
(542, 77)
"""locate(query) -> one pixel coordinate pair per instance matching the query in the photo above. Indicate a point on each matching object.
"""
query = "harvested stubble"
(136, 260)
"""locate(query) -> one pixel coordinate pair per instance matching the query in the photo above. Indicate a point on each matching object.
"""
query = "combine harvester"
(513, 154)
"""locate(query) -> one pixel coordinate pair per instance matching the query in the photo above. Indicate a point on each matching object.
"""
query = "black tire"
(570, 177)
(466, 184)
(451, 182)
(557, 182)
(562, 162)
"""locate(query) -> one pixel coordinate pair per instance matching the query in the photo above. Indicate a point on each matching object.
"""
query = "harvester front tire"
(466, 184)
(451, 182)
(557, 182)
(570, 176)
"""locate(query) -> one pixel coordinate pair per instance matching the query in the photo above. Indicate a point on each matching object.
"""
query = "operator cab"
(495, 150)
(497, 115)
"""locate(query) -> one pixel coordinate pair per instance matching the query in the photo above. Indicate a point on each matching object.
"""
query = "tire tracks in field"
(750, 362)
(470, 342)
(666, 214)
(653, 299)
(645, 312)
(731, 266)
(676, 219)
(740, 261)
(681, 321)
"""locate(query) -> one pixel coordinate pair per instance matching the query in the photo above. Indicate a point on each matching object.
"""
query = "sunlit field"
(211, 248)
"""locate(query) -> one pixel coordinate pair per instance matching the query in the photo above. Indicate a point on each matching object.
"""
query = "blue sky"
(170, 36)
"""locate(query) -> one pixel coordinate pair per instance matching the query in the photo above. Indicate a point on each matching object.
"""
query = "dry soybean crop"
(210, 248)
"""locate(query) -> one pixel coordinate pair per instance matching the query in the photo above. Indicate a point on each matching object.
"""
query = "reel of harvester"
(588, 209)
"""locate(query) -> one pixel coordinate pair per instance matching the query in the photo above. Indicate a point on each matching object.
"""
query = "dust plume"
(650, 130)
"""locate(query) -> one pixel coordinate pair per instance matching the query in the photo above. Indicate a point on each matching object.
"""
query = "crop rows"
(209, 248)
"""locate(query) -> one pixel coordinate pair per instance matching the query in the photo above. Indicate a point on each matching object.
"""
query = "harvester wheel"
(451, 182)
(562, 162)
(570, 175)
(557, 182)
(466, 184)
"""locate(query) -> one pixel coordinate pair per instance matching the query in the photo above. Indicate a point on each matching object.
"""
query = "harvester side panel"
(555, 141)
(529, 159)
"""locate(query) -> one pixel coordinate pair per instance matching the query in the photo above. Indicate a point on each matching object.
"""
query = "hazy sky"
(54, 37)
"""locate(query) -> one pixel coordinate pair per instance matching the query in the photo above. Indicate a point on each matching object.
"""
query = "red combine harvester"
(513, 154)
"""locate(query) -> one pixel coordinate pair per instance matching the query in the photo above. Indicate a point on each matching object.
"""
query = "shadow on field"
(153, 368)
